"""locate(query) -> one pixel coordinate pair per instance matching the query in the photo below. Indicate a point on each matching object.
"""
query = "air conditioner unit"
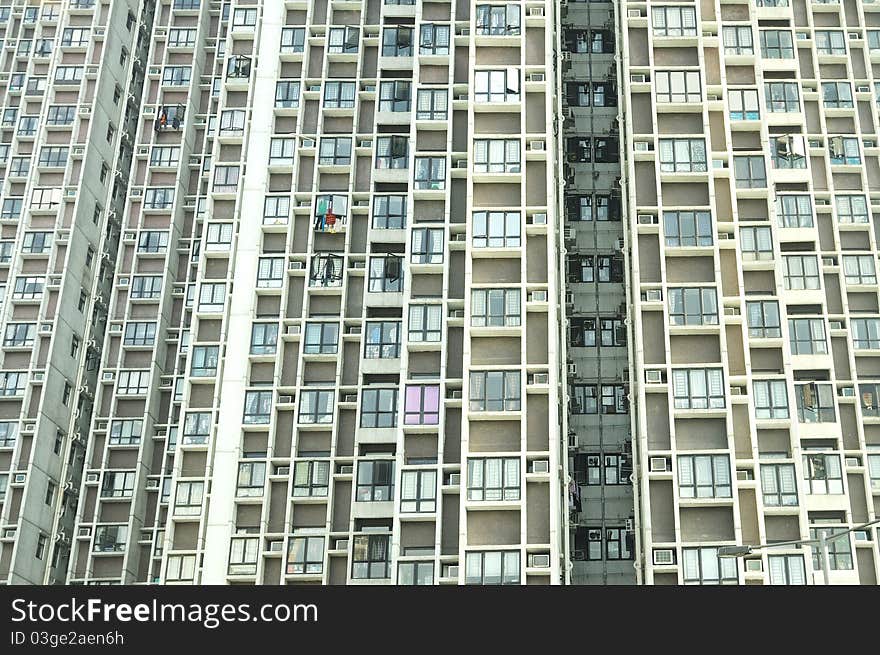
(658, 465)
(847, 392)
(835, 325)
(541, 378)
(539, 219)
(629, 525)
(91, 477)
(538, 296)
(646, 219)
(455, 478)
(276, 545)
(744, 474)
(536, 77)
(353, 329)
(296, 266)
(308, 143)
(108, 375)
(19, 478)
(346, 469)
(84, 532)
(634, 13)
(828, 261)
(450, 571)
(539, 561)
(9, 533)
(641, 146)
(350, 398)
(754, 565)
(663, 556)
(455, 394)
(282, 470)
(456, 313)
(637, 78)
(863, 89)
(654, 376)
(152, 483)
(572, 369)
(294, 329)
(537, 145)
(341, 544)
(654, 295)
(536, 11)
(541, 466)
(285, 400)
(731, 311)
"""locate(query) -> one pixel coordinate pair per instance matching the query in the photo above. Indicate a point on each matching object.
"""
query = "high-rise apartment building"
(451, 292)
(751, 186)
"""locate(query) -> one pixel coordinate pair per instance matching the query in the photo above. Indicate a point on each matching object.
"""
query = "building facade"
(452, 292)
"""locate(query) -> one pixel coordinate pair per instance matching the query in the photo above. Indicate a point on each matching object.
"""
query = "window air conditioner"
(285, 400)
(537, 77)
(536, 11)
(84, 532)
(541, 466)
(754, 565)
(152, 483)
(637, 78)
(539, 219)
(847, 392)
(450, 571)
(455, 393)
(654, 295)
(654, 376)
(350, 398)
(863, 89)
(541, 378)
(641, 146)
(455, 478)
(536, 145)
(346, 469)
(646, 219)
(276, 545)
(91, 477)
(663, 556)
(538, 296)
(341, 544)
(282, 470)
(572, 369)
(19, 478)
(539, 561)
(658, 465)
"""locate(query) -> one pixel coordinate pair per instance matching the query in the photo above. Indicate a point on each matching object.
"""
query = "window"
(140, 333)
(779, 485)
(787, 570)
(582, 332)
(596, 94)
(823, 473)
(687, 229)
(592, 40)
(218, 236)
(427, 246)
(197, 428)
(425, 323)
(704, 476)
(335, 151)
(430, 173)
(110, 538)
(343, 40)
(126, 432)
(432, 105)
(839, 552)
(830, 42)
(613, 399)
(395, 95)
(837, 94)
(801, 272)
(674, 21)
(497, 85)
(756, 243)
(379, 408)
(495, 391)
(212, 297)
(153, 241)
(292, 39)
(870, 399)
(258, 407)
(226, 179)
(320, 338)
(777, 44)
(492, 567)
(771, 399)
(204, 361)
(859, 269)
(243, 553)
(593, 149)
(698, 388)
(495, 308)
(37, 242)
(287, 94)
(244, 18)
(494, 479)
(744, 105)
(415, 573)
(8, 435)
(382, 340)
(118, 484)
(584, 399)
(682, 155)
(53, 156)
(11, 209)
(873, 470)
(498, 20)
(612, 332)
(165, 156)
(581, 268)
(389, 212)
(594, 469)
(176, 75)
(434, 39)
(144, 287)
(386, 275)
(180, 568)
(782, 97)
(181, 37)
(418, 491)
(737, 40)
(251, 479)
(41, 546)
(315, 406)
(815, 402)
(282, 152)
(422, 405)
(305, 555)
(238, 67)
(339, 95)
(326, 270)
(788, 151)
(807, 336)
(132, 383)
(844, 151)
(750, 172)
(158, 198)
(188, 499)
(703, 566)
(28, 288)
(794, 211)
(311, 478)
(375, 480)
(19, 335)
(695, 306)
(866, 333)
(851, 208)
(496, 156)
(371, 557)
(397, 42)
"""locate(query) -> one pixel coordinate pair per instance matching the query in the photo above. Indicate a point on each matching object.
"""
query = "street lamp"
(822, 541)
